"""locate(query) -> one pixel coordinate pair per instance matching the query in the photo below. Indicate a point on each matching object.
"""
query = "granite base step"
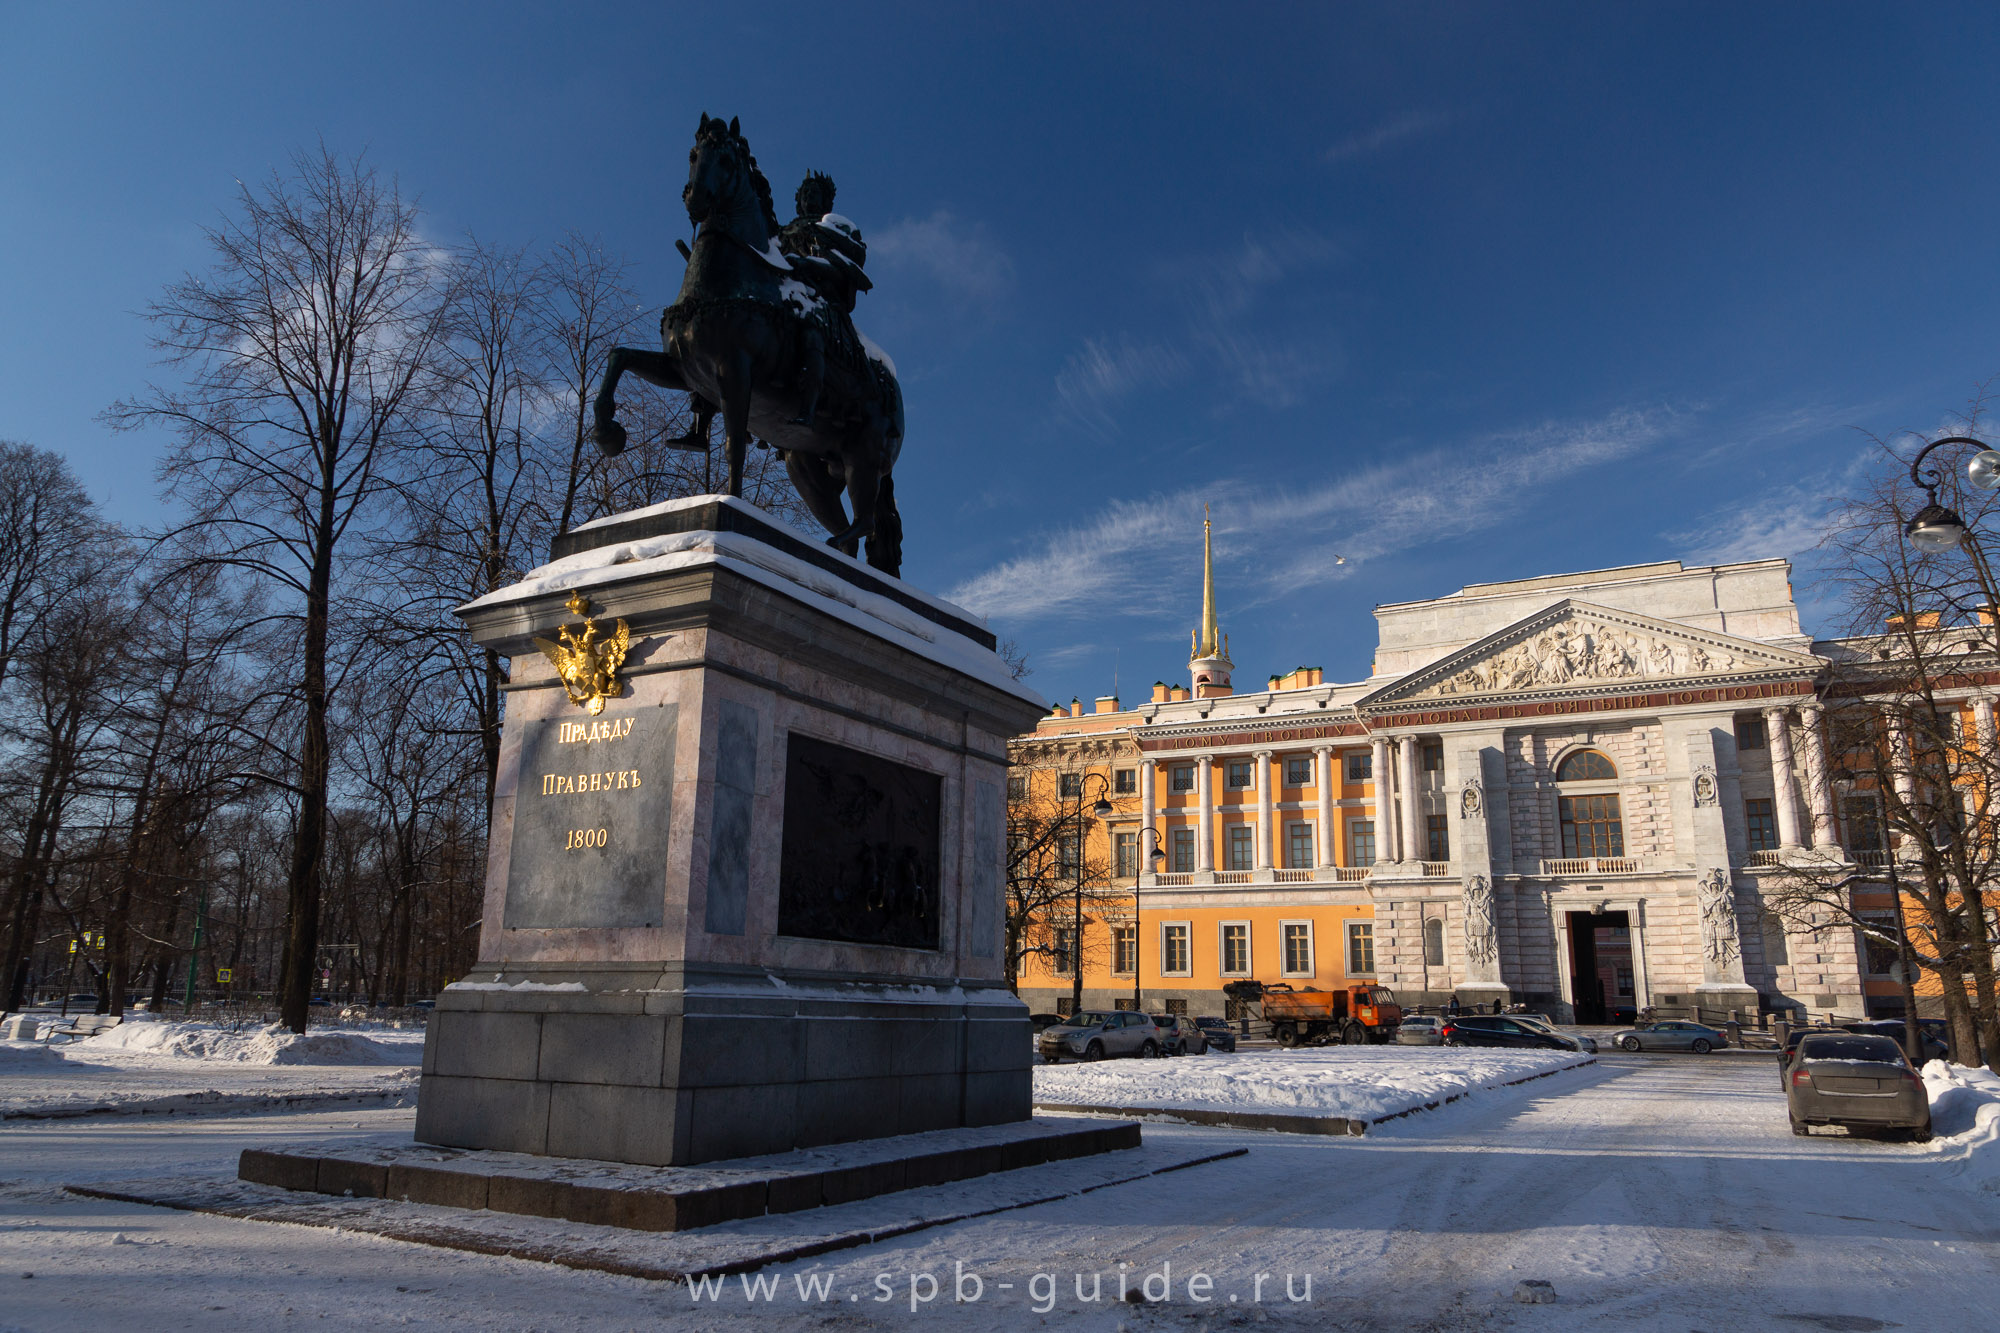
(643, 1198)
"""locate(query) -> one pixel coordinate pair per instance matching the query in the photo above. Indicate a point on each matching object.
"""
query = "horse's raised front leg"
(653, 367)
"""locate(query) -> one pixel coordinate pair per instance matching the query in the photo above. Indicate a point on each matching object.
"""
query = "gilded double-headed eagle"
(588, 666)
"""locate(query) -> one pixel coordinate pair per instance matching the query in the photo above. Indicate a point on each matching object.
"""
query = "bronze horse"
(733, 340)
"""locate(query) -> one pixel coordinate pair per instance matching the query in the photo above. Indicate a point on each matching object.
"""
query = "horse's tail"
(885, 545)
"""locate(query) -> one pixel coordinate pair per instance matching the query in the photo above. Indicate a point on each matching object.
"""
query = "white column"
(1819, 798)
(1982, 726)
(1406, 778)
(1147, 814)
(1204, 831)
(1262, 768)
(1385, 819)
(1323, 772)
(1778, 731)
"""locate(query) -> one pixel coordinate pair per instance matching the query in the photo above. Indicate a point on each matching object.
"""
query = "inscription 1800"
(591, 813)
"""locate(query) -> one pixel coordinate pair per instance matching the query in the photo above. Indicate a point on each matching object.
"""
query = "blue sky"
(1458, 293)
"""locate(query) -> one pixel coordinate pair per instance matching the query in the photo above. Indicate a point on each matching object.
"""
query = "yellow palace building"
(1567, 791)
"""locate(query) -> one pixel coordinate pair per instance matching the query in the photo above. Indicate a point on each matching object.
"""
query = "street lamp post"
(1159, 860)
(1934, 530)
(1101, 809)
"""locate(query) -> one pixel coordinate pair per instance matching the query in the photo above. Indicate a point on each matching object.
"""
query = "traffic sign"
(222, 976)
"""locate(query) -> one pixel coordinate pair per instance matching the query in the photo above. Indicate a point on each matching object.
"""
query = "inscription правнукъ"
(860, 857)
(591, 811)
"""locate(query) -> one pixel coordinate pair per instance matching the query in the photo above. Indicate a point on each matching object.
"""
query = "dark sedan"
(1500, 1030)
(1857, 1080)
(1217, 1033)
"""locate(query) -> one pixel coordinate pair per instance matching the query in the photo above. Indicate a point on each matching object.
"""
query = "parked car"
(1097, 1033)
(1934, 1047)
(1193, 1040)
(1420, 1030)
(1673, 1034)
(1501, 1030)
(1859, 1080)
(1216, 1034)
(1790, 1048)
(1621, 1013)
(1577, 1041)
(1044, 1020)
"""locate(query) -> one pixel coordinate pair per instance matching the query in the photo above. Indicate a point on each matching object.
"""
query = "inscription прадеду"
(591, 814)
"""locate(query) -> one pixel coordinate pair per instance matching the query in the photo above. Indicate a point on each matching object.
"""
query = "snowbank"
(1354, 1082)
(254, 1046)
(27, 1055)
(1965, 1117)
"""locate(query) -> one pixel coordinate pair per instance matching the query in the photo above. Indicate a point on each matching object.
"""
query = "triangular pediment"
(1575, 646)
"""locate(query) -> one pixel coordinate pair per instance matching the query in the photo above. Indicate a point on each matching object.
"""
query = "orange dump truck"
(1311, 1017)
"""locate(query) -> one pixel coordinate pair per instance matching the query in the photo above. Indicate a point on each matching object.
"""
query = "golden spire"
(1208, 640)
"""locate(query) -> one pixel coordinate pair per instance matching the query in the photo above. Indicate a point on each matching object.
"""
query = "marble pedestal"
(756, 903)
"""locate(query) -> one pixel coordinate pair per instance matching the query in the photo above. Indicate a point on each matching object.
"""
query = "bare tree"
(304, 348)
(46, 521)
(1056, 887)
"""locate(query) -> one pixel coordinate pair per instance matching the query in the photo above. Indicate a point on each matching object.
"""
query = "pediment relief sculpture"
(1577, 649)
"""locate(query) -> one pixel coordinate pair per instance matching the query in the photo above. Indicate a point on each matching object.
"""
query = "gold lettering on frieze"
(582, 784)
(604, 729)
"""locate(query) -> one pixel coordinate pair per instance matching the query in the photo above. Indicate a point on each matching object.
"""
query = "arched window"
(1586, 766)
(1434, 941)
(1590, 823)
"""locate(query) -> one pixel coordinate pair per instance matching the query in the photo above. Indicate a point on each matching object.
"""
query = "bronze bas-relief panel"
(591, 817)
(860, 860)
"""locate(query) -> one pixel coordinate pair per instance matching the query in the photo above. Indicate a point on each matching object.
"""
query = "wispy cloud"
(1786, 520)
(1381, 138)
(1222, 336)
(1114, 564)
(958, 255)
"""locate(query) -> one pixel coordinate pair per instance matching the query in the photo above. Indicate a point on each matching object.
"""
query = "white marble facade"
(1658, 668)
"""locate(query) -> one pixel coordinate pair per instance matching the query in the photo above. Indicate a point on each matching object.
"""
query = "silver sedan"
(1673, 1035)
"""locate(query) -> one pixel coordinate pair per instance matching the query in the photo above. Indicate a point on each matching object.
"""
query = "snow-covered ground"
(149, 1067)
(1351, 1082)
(1655, 1193)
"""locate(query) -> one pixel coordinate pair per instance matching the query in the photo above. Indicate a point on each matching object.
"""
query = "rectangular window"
(1881, 955)
(1125, 1002)
(1590, 826)
(1239, 773)
(1069, 853)
(1065, 952)
(1066, 1006)
(1360, 948)
(1183, 841)
(1863, 820)
(1298, 948)
(1125, 781)
(1437, 838)
(1299, 846)
(1360, 765)
(1433, 756)
(1183, 778)
(1017, 788)
(1241, 848)
(1070, 784)
(1361, 842)
(1174, 949)
(1759, 824)
(1236, 948)
(1177, 1007)
(1128, 854)
(1298, 772)
(1750, 734)
(1124, 949)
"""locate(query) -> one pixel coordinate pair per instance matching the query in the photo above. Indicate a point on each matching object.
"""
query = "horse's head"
(723, 179)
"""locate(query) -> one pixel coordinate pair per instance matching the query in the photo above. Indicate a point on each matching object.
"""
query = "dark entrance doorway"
(1600, 966)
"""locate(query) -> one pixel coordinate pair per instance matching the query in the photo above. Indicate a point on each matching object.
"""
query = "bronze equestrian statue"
(762, 332)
